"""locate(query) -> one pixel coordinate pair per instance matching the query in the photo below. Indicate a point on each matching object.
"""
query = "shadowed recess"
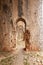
(26, 4)
(21, 19)
(20, 11)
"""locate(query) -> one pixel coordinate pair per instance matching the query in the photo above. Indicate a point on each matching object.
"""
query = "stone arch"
(20, 29)
(21, 19)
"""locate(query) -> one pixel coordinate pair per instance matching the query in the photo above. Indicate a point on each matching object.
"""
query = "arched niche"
(20, 29)
(22, 20)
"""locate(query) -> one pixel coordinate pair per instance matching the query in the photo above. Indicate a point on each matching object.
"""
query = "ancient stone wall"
(7, 29)
(9, 15)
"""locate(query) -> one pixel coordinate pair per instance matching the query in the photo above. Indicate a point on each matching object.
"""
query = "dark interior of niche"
(10, 1)
(5, 8)
(5, 34)
(3, 22)
(35, 13)
(0, 4)
(11, 22)
(11, 40)
(20, 11)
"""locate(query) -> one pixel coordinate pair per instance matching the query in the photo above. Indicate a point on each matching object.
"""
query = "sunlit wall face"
(41, 23)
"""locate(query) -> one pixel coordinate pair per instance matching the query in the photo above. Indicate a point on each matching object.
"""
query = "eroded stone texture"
(8, 17)
(7, 30)
(31, 16)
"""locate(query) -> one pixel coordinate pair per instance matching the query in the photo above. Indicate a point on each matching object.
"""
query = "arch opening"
(20, 29)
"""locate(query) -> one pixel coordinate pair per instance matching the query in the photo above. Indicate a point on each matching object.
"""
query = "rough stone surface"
(8, 17)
